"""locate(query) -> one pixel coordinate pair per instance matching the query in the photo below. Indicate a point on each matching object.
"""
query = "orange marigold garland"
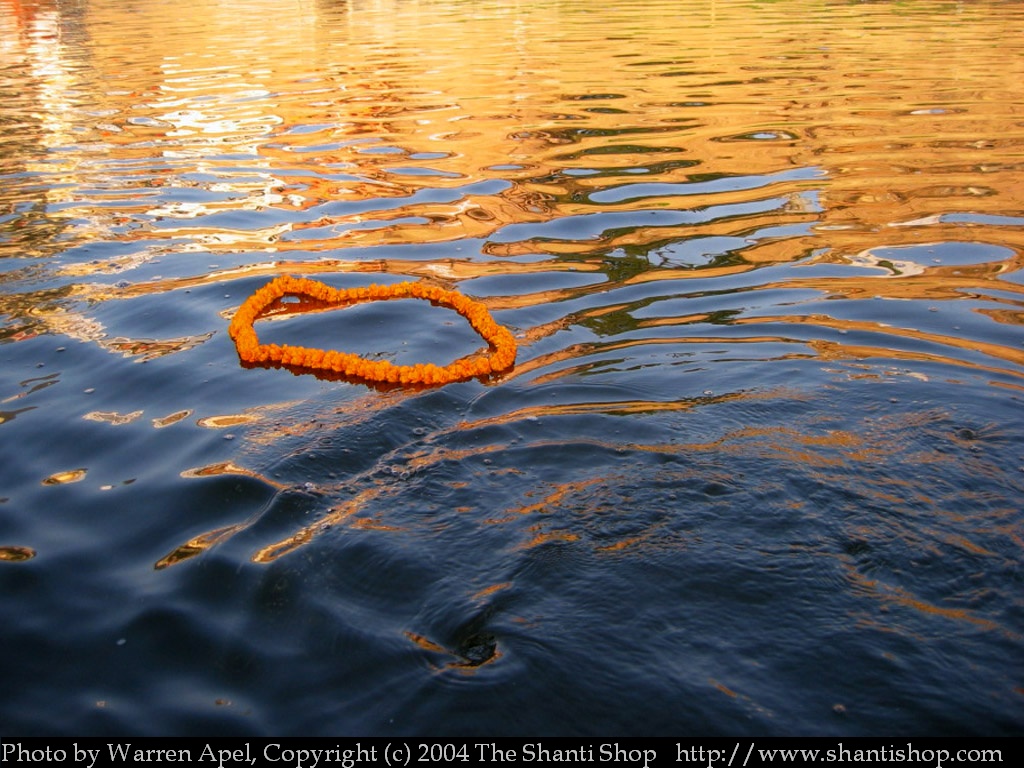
(502, 357)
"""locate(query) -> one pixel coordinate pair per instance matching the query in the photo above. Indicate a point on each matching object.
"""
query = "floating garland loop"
(250, 350)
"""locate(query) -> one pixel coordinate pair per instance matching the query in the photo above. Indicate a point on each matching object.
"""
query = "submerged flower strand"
(502, 357)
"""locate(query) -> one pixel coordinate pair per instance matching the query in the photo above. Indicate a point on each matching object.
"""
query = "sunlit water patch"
(757, 468)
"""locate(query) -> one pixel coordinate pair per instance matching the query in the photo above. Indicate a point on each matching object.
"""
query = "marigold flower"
(250, 350)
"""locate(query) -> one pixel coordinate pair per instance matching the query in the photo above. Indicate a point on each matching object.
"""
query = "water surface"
(759, 466)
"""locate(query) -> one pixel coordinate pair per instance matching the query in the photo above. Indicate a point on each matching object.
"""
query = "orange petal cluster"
(502, 357)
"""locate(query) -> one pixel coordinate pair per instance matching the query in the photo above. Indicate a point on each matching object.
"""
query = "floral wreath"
(250, 350)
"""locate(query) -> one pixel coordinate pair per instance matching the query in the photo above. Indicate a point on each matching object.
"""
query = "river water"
(758, 469)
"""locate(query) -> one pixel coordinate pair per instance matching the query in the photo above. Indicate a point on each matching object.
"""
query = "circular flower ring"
(502, 356)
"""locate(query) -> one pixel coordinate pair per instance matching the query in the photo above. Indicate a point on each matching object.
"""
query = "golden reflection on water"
(16, 554)
(381, 101)
(66, 476)
(898, 136)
